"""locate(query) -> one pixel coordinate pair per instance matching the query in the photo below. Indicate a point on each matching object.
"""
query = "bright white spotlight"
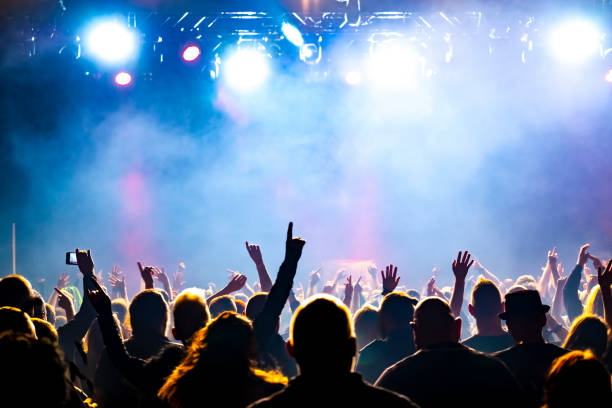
(394, 67)
(111, 42)
(191, 53)
(246, 70)
(292, 34)
(608, 76)
(575, 41)
(353, 78)
(123, 79)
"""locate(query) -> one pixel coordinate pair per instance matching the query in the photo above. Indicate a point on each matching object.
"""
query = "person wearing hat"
(395, 315)
(444, 372)
(531, 357)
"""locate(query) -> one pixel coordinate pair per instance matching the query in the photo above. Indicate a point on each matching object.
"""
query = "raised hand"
(358, 289)
(85, 262)
(583, 255)
(389, 279)
(553, 257)
(146, 272)
(64, 300)
(293, 246)
(177, 280)
(162, 277)
(430, 286)
(461, 265)
(116, 280)
(348, 288)
(315, 277)
(254, 253)
(62, 281)
(236, 283)
(604, 276)
(596, 262)
(99, 299)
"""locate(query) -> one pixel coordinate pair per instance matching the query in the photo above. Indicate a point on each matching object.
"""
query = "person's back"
(323, 344)
(445, 373)
(148, 317)
(485, 307)
(530, 359)
(395, 315)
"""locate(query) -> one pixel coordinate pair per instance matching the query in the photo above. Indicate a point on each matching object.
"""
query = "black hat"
(524, 303)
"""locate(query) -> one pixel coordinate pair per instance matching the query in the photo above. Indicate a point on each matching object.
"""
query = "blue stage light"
(245, 70)
(576, 40)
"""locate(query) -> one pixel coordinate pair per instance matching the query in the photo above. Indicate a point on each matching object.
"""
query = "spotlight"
(111, 42)
(246, 70)
(394, 67)
(608, 76)
(575, 41)
(292, 34)
(123, 79)
(191, 53)
(310, 53)
(353, 78)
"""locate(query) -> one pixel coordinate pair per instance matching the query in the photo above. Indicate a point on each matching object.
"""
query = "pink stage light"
(191, 53)
(123, 79)
(608, 76)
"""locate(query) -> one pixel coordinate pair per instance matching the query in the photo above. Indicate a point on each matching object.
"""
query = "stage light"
(353, 78)
(191, 53)
(394, 67)
(310, 53)
(575, 41)
(111, 42)
(123, 79)
(292, 34)
(245, 70)
(608, 76)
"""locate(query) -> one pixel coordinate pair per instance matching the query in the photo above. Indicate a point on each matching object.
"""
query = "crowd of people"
(367, 342)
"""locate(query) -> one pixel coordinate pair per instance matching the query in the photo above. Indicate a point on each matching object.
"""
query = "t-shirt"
(530, 363)
(489, 344)
(453, 375)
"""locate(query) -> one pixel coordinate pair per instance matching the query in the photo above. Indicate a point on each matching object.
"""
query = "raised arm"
(234, 285)
(604, 278)
(573, 306)
(461, 266)
(146, 272)
(131, 368)
(348, 292)
(117, 283)
(264, 278)
(265, 323)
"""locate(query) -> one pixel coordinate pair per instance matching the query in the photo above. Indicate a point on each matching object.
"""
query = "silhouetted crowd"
(364, 343)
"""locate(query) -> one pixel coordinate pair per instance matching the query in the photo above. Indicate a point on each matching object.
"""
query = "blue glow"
(111, 42)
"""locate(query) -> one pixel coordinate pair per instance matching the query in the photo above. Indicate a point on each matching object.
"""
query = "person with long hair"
(220, 368)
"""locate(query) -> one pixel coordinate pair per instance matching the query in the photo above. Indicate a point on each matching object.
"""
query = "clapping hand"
(461, 265)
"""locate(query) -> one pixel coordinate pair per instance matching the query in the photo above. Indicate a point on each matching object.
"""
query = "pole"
(14, 256)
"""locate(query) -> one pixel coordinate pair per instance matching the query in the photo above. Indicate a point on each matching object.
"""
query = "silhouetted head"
(148, 313)
(60, 321)
(256, 304)
(367, 326)
(240, 306)
(588, 332)
(44, 330)
(190, 314)
(120, 308)
(578, 379)
(222, 304)
(525, 315)
(39, 305)
(32, 373)
(396, 312)
(16, 320)
(50, 314)
(435, 324)
(16, 291)
(527, 281)
(219, 361)
(322, 339)
(486, 300)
